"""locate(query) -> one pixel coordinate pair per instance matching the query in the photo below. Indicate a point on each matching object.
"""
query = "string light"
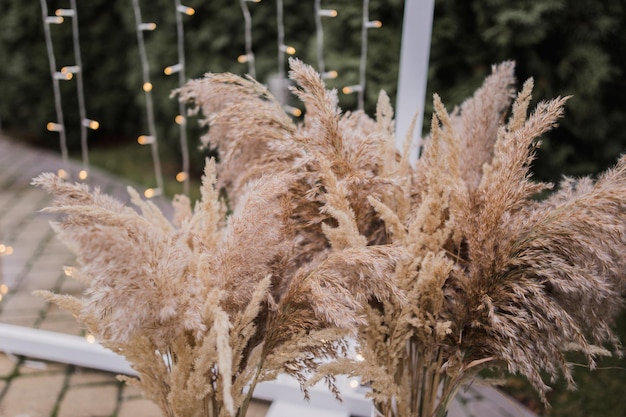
(5, 250)
(68, 271)
(181, 176)
(374, 24)
(294, 111)
(64, 76)
(321, 64)
(82, 175)
(63, 174)
(147, 26)
(145, 140)
(152, 192)
(354, 383)
(72, 69)
(151, 138)
(327, 13)
(54, 20)
(289, 50)
(4, 289)
(182, 79)
(173, 69)
(91, 124)
(366, 24)
(90, 338)
(189, 11)
(65, 12)
(54, 127)
(350, 89)
(242, 59)
(248, 37)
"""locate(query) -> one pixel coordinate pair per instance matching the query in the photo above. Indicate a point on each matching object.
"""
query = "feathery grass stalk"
(437, 272)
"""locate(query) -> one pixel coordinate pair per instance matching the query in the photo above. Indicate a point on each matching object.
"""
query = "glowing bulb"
(83, 174)
(180, 119)
(327, 13)
(4, 288)
(289, 50)
(294, 111)
(152, 192)
(0, 298)
(330, 75)
(374, 24)
(65, 12)
(147, 26)
(172, 69)
(65, 76)
(71, 69)
(181, 176)
(254, 1)
(55, 20)
(145, 139)
(90, 338)
(354, 383)
(242, 59)
(91, 124)
(359, 357)
(147, 87)
(54, 127)
(5, 249)
(63, 174)
(351, 89)
(68, 271)
(189, 11)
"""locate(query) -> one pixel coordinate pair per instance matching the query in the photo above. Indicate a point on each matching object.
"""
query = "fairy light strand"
(365, 26)
(147, 88)
(59, 125)
(181, 119)
(85, 123)
(249, 56)
(319, 34)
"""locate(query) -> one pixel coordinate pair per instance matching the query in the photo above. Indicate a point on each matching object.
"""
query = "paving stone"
(23, 303)
(139, 408)
(32, 396)
(98, 401)
(83, 377)
(7, 365)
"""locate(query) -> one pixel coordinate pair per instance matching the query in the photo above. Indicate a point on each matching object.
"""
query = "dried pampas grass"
(438, 270)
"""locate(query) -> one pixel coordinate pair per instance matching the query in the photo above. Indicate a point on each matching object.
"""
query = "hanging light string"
(282, 47)
(366, 25)
(77, 70)
(59, 125)
(150, 139)
(249, 55)
(179, 68)
(319, 29)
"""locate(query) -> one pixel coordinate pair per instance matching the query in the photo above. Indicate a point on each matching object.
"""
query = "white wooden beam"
(59, 347)
(413, 73)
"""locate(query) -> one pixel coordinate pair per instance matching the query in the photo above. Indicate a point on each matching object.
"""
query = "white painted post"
(412, 77)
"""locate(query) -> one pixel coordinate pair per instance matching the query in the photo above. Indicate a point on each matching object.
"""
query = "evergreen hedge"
(570, 47)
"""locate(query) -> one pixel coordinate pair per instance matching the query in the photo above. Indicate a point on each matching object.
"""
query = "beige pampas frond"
(436, 271)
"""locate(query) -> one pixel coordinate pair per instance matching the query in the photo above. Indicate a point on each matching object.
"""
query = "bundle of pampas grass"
(437, 270)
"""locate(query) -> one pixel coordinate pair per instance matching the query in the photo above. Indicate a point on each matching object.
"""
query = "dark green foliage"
(570, 47)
